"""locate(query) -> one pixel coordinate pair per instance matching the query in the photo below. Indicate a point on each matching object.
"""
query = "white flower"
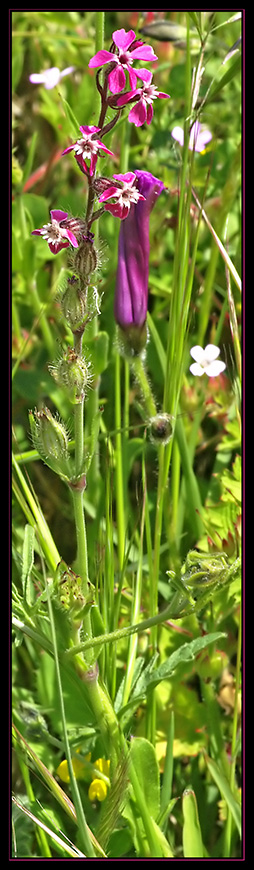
(50, 77)
(206, 361)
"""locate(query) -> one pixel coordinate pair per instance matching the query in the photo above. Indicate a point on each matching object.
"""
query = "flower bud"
(72, 372)
(51, 440)
(73, 305)
(70, 594)
(85, 260)
(161, 428)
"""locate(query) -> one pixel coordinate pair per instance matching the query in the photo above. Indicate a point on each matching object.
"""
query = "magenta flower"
(143, 97)
(57, 233)
(87, 148)
(124, 195)
(127, 50)
(50, 77)
(199, 138)
(131, 294)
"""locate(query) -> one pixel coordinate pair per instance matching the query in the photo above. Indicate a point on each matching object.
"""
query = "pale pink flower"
(50, 77)
(198, 140)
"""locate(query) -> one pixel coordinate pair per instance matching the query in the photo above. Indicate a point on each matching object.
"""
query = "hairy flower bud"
(51, 440)
(85, 260)
(161, 428)
(72, 372)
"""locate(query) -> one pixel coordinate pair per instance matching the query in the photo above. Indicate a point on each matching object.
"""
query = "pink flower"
(87, 148)
(143, 97)
(50, 77)
(124, 196)
(57, 233)
(198, 138)
(129, 49)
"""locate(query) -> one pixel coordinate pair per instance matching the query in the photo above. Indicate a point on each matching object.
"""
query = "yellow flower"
(78, 767)
(97, 790)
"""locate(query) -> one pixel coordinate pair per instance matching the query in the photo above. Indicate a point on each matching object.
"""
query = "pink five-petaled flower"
(129, 49)
(143, 97)
(206, 361)
(57, 233)
(50, 77)
(124, 196)
(198, 138)
(87, 148)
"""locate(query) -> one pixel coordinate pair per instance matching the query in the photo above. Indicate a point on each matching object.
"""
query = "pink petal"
(149, 113)
(137, 115)
(88, 130)
(126, 177)
(123, 38)
(132, 76)
(144, 52)
(111, 191)
(144, 74)
(71, 238)
(58, 215)
(128, 96)
(116, 79)
(100, 58)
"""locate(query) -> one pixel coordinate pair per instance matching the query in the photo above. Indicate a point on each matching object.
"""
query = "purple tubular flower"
(131, 294)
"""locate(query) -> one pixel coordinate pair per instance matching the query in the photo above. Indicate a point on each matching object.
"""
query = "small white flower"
(206, 361)
(50, 77)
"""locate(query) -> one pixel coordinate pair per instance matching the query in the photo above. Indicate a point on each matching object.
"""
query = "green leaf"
(143, 756)
(225, 790)
(235, 69)
(192, 839)
(187, 652)
(28, 560)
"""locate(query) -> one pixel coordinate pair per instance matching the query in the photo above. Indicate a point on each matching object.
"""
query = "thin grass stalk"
(229, 820)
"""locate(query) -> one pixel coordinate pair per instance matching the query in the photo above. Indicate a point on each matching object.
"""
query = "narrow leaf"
(192, 839)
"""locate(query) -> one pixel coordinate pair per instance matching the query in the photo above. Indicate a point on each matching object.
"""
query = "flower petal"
(138, 114)
(178, 134)
(197, 353)
(211, 352)
(215, 368)
(144, 52)
(116, 79)
(123, 38)
(196, 369)
(100, 58)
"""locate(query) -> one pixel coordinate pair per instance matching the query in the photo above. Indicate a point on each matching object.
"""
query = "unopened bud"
(85, 260)
(72, 372)
(161, 428)
(73, 305)
(51, 440)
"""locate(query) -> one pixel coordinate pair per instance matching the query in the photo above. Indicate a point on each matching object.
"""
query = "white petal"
(178, 134)
(65, 72)
(215, 368)
(196, 369)
(198, 353)
(211, 352)
(51, 77)
(37, 78)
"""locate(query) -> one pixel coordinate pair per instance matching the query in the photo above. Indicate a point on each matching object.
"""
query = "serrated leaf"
(187, 652)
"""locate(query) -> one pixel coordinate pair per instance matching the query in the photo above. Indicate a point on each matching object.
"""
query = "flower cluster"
(125, 50)
(83, 769)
